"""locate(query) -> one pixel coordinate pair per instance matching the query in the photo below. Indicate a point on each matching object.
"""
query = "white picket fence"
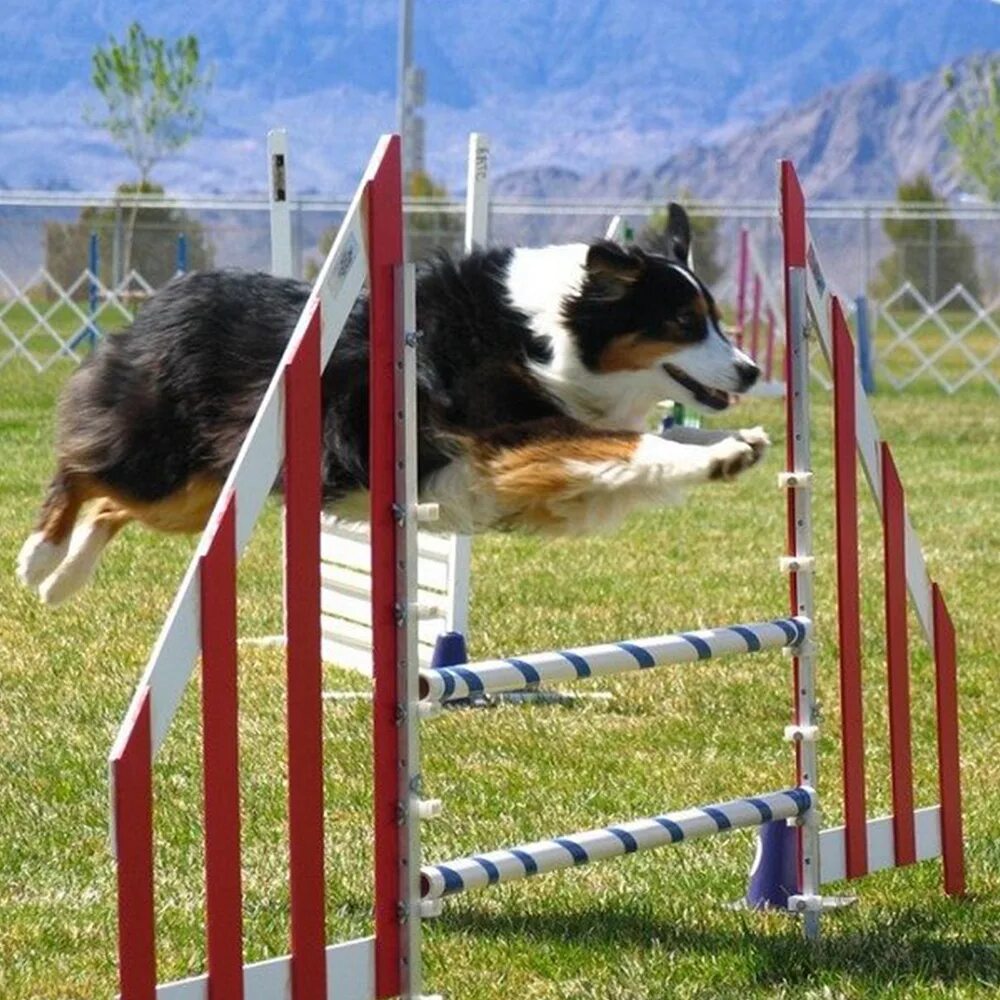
(954, 341)
(43, 322)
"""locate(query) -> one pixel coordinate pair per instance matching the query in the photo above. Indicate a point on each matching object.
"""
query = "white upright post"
(281, 219)
(800, 563)
(477, 192)
(281, 261)
(477, 210)
(408, 665)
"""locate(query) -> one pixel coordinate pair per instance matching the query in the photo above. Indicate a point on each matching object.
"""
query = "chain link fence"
(931, 272)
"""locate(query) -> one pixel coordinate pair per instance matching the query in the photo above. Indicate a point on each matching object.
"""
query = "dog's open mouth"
(715, 399)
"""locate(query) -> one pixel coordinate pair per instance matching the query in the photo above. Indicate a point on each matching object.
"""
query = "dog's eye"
(689, 324)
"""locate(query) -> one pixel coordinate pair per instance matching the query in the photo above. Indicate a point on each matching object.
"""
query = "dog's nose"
(748, 374)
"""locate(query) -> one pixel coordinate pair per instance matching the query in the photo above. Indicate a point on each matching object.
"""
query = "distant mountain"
(857, 140)
(587, 85)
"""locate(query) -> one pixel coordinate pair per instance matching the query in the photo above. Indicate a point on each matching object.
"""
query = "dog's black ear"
(679, 232)
(609, 260)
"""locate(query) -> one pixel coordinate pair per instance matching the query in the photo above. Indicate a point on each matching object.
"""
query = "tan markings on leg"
(103, 520)
(186, 510)
(46, 547)
(632, 352)
(61, 508)
(109, 513)
(534, 483)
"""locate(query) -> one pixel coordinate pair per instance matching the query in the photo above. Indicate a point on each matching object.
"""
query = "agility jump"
(203, 620)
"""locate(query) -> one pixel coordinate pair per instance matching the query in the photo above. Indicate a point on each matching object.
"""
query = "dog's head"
(650, 315)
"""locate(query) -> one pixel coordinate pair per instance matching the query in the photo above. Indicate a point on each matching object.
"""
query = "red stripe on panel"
(897, 657)
(848, 600)
(220, 733)
(132, 774)
(793, 216)
(755, 320)
(741, 285)
(385, 253)
(949, 775)
(305, 678)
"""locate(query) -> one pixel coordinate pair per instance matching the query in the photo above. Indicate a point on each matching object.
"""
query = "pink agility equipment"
(757, 327)
(286, 435)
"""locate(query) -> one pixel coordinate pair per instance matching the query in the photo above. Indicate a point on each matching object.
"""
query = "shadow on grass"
(891, 948)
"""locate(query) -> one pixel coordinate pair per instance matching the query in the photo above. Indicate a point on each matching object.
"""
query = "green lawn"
(644, 928)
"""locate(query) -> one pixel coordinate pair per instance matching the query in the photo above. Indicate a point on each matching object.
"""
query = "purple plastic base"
(449, 650)
(773, 876)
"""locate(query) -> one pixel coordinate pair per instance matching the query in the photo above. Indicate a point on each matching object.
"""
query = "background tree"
(973, 126)
(155, 246)
(153, 91)
(932, 253)
(704, 241)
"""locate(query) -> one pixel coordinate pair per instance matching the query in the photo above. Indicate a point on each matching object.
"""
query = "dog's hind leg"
(46, 546)
(90, 537)
(589, 480)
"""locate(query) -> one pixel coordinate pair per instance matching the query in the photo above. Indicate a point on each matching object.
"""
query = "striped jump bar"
(610, 842)
(527, 673)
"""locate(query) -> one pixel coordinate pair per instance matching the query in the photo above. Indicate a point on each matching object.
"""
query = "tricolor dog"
(537, 371)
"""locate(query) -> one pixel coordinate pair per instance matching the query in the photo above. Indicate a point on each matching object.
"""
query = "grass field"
(644, 928)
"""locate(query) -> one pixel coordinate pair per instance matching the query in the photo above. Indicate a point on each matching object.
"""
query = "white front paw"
(738, 453)
(757, 438)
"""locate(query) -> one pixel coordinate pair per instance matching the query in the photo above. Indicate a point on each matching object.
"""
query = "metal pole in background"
(405, 57)
(866, 260)
(182, 253)
(932, 264)
(865, 363)
(117, 243)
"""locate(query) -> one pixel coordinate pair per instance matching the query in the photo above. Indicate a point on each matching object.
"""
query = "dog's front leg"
(589, 481)
(687, 455)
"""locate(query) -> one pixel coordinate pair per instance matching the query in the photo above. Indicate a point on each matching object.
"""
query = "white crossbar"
(350, 975)
(881, 849)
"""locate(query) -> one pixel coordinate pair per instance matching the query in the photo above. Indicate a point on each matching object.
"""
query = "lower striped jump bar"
(527, 673)
(612, 841)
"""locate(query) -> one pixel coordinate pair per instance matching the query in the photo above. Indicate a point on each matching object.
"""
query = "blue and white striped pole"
(527, 673)
(542, 856)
